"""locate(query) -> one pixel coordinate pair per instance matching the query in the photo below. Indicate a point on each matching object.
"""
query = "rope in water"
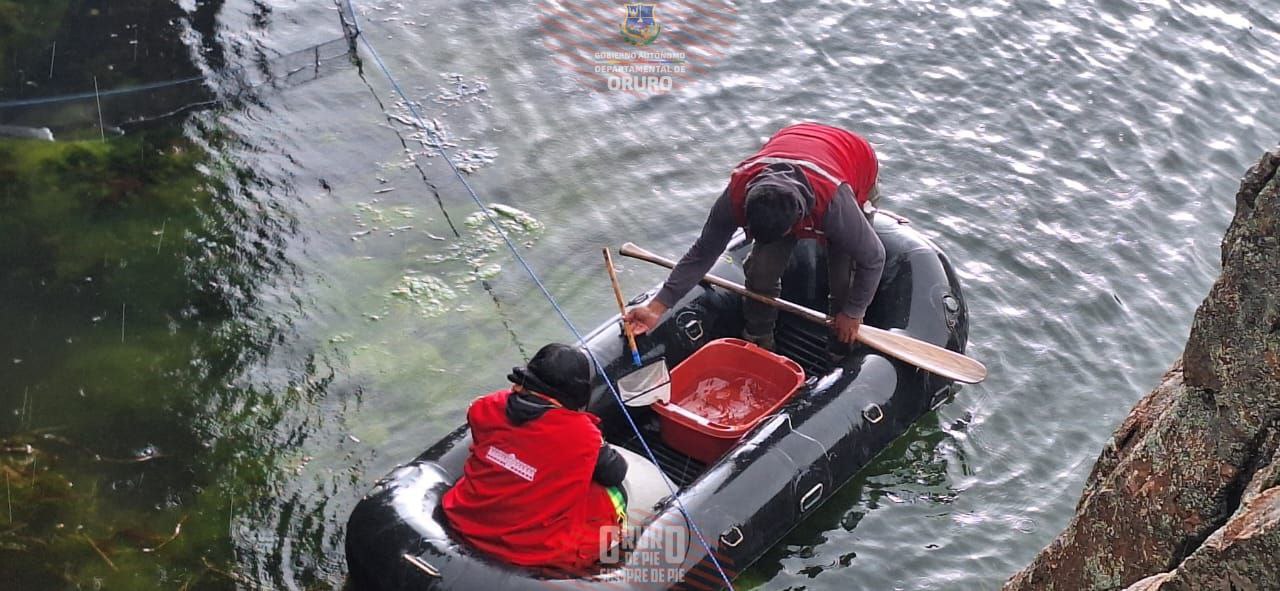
(302, 59)
(49, 100)
(435, 192)
(373, 51)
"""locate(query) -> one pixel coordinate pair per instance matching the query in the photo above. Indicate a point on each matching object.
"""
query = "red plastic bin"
(722, 391)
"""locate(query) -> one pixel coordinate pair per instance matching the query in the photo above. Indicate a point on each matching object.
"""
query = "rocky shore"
(1186, 494)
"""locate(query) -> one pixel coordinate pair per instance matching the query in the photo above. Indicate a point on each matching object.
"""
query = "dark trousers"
(764, 268)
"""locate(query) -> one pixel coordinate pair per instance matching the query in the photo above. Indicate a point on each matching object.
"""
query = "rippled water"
(1077, 160)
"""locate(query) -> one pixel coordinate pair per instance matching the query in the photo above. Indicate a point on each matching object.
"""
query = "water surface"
(241, 339)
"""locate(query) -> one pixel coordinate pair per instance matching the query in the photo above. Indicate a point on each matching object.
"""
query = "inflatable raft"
(743, 501)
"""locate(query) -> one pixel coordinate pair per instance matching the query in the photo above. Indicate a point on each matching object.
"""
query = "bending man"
(808, 181)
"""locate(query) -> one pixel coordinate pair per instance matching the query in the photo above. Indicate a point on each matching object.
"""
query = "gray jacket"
(845, 227)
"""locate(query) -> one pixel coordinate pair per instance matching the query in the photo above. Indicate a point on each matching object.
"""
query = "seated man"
(540, 483)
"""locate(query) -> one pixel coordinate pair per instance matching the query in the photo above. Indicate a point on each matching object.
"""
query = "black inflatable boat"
(742, 504)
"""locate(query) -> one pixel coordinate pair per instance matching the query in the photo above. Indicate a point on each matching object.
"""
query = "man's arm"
(699, 259)
(611, 467)
(848, 230)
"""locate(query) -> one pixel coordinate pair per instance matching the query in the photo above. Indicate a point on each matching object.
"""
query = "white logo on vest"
(511, 463)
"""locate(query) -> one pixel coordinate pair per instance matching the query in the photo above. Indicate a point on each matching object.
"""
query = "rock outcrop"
(1186, 494)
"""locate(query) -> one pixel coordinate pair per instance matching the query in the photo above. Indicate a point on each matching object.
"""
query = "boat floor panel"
(804, 343)
(681, 469)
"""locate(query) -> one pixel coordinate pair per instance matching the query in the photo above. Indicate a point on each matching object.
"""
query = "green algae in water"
(481, 241)
(429, 295)
(131, 270)
(486, 272)
(78, 208)
(510, 218)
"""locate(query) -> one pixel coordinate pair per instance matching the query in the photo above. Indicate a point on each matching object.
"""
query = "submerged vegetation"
(84, 211)
(125, 265)
(122, 263)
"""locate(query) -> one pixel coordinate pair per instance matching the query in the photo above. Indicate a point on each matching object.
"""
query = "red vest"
(829, 156)
(526, 495)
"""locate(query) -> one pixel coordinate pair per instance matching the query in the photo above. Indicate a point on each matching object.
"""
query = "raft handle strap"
(422, 565)
(941, 397)
(692, 325)
(724, 537)
(811, 498)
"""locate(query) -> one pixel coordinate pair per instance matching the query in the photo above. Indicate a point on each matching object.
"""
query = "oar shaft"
(927, 356)
(633, 251)
(622, 306)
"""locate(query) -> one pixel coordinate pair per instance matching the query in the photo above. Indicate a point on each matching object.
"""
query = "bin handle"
(792, 365)
(693, 416)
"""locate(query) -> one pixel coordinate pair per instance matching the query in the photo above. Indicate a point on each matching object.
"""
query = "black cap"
(559, 371)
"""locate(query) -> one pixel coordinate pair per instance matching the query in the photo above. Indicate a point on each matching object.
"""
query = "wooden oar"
(651, 383)
(622, 306)
(926, 356)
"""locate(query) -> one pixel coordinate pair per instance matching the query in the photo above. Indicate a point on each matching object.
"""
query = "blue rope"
(551, 299)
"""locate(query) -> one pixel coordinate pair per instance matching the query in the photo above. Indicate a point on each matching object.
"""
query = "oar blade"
(926, 356)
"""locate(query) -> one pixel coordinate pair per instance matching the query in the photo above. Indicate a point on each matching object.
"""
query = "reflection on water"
(219, 330)
(917, 471)
(126, 275)
(132, 267)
